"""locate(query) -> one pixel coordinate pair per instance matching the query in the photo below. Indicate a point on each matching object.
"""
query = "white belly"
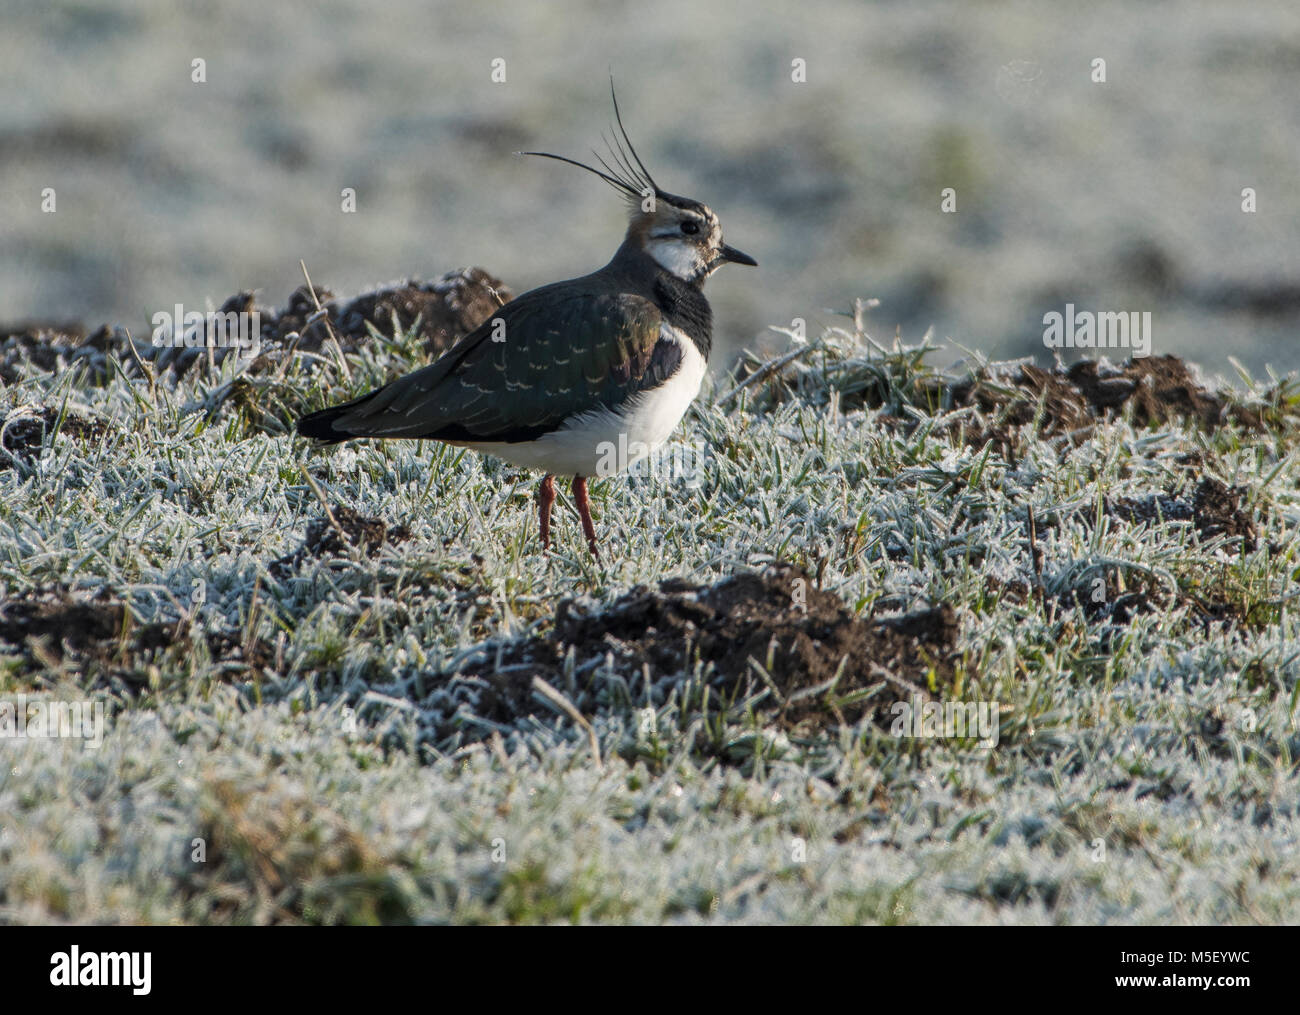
(604, 442)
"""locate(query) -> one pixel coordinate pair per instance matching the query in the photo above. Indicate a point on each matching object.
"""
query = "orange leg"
(545, 498)
(584, 512)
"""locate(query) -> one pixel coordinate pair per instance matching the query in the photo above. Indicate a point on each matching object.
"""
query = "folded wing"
(544, 357)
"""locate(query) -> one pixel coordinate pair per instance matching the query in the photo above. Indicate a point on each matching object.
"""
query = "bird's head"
(682, 236)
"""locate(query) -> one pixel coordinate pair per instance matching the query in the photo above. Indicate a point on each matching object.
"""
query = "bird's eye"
(690, 228)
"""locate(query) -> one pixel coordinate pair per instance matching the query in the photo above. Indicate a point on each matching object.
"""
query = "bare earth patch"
(447, 309)
(336, 534)
(23, 432)
(827, 666)
(1214, 508)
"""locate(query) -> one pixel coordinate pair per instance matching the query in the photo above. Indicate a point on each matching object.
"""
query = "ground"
(346, 686)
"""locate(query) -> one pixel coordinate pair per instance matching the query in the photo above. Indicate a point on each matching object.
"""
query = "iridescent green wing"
(542, 358)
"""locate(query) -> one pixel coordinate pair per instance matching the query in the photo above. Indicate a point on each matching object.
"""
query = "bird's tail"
(320, 425)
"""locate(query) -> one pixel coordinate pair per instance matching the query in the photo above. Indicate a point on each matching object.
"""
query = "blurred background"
(1123, 195)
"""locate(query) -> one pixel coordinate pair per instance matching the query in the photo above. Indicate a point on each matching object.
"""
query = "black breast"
(685, 308)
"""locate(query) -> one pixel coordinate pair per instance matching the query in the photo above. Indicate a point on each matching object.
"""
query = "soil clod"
(827, 665)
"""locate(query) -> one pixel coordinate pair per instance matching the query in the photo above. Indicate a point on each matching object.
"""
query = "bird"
(563, 373)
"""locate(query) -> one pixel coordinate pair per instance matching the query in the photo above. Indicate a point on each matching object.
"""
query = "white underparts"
(582, 447)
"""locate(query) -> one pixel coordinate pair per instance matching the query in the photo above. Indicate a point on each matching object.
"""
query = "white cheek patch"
(680, 259)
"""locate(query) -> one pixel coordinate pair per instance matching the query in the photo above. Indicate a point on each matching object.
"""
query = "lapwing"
(562, 374)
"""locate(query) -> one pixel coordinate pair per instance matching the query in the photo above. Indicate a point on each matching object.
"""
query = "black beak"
(736, 256)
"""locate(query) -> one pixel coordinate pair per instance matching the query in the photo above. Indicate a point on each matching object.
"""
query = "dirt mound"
(800, 635)
(1214, 509)
(335, 534)
(448, 308)
(1161, 388)
(51, 346)
(66, 623)
(23, 432)
(95, 635)
(1070, 401)
(99, 636)
(1060, 402)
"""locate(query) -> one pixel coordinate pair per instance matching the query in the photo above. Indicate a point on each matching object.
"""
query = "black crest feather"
(627, 173)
